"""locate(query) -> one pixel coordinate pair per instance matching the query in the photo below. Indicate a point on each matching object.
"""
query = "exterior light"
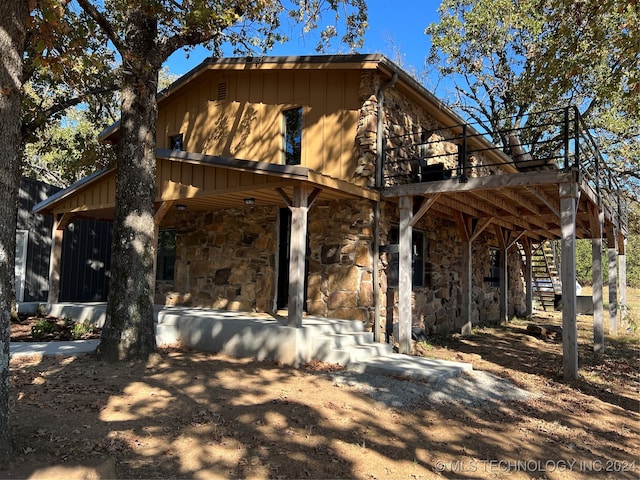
(249, 201)
(181, 207)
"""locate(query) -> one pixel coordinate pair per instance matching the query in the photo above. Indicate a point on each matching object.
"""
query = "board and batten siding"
(246, 122)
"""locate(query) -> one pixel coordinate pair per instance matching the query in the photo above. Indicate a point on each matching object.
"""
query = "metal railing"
(555, 140)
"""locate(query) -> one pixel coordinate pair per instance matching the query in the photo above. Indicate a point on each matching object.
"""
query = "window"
(417, 261)
(176, 142)
(166, 255)
(292, 126)
(494, 268)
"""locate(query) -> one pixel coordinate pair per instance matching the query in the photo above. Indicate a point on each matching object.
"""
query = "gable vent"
(222, 91)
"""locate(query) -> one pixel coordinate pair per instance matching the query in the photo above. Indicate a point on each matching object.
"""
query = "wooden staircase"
(545, 280)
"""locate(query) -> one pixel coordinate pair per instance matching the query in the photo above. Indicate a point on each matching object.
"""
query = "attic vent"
(222, 91)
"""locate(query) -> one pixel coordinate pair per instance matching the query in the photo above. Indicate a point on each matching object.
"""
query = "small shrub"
(42, 328)
(81, 329)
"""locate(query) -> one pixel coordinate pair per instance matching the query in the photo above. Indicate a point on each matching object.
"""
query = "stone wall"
(341, 260)
(225, 259)
(437, 306)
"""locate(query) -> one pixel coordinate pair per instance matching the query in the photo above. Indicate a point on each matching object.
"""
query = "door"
(21, 263)
(284, 239)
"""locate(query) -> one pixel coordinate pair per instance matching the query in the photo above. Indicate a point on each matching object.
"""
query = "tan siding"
(314, 133)
(249, 124)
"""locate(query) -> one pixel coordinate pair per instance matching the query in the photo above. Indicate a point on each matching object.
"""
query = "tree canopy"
(508, 58)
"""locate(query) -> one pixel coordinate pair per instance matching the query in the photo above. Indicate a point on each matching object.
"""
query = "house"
(339, 187)
(86, 247)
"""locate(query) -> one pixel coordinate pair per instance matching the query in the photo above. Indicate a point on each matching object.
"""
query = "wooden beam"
(288, 202)
(512, 241)
(480, 183)
(596, 217)
(504, 291)
(405, 278)
(424, 208)
(161, 212)
(543, 197)
(483, 223)
(313, 196)
(613, 283)
(568, 194)
(57, 235)
(297, 256)
(520, 200)
(466, 308)
(65, 220)
(622, 281)
(528, 277)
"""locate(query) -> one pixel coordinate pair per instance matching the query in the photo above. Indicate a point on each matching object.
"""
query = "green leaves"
(510, 57)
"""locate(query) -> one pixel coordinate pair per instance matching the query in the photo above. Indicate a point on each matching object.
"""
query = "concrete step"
(342, 340)
(354, 353)
(425, 369)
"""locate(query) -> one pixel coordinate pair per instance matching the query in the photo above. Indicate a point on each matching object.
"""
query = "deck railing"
(554, 140)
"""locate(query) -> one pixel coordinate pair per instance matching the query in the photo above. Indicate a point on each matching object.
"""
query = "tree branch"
(106, 26)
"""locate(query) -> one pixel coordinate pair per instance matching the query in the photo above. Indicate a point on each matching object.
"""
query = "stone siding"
(225, 259)
(340, 260)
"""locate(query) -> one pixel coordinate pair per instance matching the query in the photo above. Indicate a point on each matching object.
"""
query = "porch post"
(404, 274)
(297, 255)
(57, 234)
(467, 260)
(613, 282)
(622, 266)
(596, 220)
(504, 266)
(528, 277)
(568, 198)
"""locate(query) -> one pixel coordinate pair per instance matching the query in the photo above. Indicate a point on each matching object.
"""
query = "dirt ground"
(186, 414)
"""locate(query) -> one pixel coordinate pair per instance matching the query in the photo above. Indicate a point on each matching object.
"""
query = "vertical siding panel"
(315, 121)
(332, 129)
(283, 87)
(197, 179)
(351, 109)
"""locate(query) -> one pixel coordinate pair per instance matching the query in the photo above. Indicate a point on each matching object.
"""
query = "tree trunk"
(13, 16)
(129, 332)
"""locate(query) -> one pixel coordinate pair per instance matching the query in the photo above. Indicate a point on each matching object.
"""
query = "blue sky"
(396, 29)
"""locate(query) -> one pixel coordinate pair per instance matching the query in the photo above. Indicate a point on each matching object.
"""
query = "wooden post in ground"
(464, 227)
(404, 275)
(504, 266)
(622, 281)
(596, 221)
(568, 200)
(613, 280)
(57, 235)
(528, 277)
(297, 255)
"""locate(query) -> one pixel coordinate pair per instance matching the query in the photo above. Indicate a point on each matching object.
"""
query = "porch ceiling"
(519, 202)
(192, 182)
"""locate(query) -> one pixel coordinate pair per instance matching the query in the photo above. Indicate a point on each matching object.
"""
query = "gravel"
(474, 388)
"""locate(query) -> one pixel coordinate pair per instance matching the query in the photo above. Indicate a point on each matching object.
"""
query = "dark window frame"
(176, 142)
(292, 124)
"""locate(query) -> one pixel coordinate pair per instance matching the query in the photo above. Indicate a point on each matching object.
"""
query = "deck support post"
(297, 255)
(568, 200)
(404, 275)
(528, 277)
(622, 267)
(613, 281)
(504, 269)
(597, 220)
